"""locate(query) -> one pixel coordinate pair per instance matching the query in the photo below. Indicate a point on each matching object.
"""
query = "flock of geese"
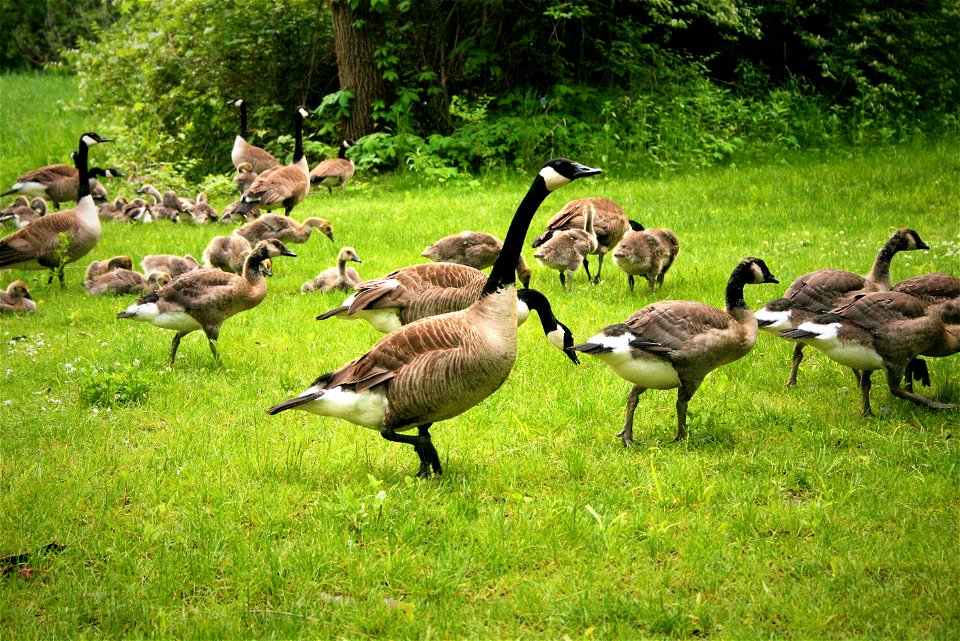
(451, 329)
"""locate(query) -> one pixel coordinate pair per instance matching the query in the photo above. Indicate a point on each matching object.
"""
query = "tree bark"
(354, 39)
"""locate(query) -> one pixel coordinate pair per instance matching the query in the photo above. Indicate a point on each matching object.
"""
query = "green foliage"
(114, 387)
(35, 34)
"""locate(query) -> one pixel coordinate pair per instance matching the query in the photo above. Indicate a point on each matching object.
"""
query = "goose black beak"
(287, 252)
(356, 260)
(330, 236)
(581, 171)
(922, 245)
(771, 279)
(266, 269)
(28, 296)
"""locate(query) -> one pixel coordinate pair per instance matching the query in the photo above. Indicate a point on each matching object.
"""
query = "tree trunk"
(357, 68)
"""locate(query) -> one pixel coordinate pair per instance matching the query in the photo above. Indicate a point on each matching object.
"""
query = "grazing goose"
(22, 212)
(284, 185)
(334, 171)
(228, 253)
(609, 221)
(441, 366)
(204, 298)
(60, 238)
(878, 330)
(675, 344)
(245, 177)
(475, 249)
(941, 294)
(556, 332)
(648, 253)
(339, 278)
(170, 205)
(201, 211)
(258, 159)
(168, 263)
(100, 267)
(566, 249)
(125, 281)
(284, 229)
(16, 299)
(59, 183)
(822, 290)
(231, 213)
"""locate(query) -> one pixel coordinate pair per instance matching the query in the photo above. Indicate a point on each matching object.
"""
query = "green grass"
(190, 513)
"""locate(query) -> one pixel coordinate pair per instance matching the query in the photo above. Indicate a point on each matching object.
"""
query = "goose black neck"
(251, 266)
(880, 272)
(504, 270)
(537, 302)
(343, 152)
(80, 162)
(739, 278)
(243, 119)
(298, 137)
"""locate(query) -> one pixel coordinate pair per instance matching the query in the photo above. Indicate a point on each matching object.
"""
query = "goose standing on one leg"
(259, 160)
(205, 298)
(675, 344)
(441, 366)
(53, 241)
(284, 185)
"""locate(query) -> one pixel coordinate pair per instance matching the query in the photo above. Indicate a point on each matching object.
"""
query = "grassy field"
(187, 512)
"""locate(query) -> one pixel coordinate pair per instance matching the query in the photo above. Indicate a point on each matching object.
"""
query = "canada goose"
(125, 281)
(140, 210)
(556, 332)
(59, 183)
(648, 253)
(475, 249)
(339, 278)
(21, 212)
(204, 298)
(170, 204)
(231, 213)
(284, 185)
(173, 265)
(675, 344)
(201, 211)
(284, 229)
(822, 290)
(112, 210)
(441, 366)
(609, 221)
(566, 249)
(941, 294)
(100, 267)
(243, 152)
(878, 330)
(62, 237)
(228, 253)
(335, 171)
(245, 177)
(16, 299)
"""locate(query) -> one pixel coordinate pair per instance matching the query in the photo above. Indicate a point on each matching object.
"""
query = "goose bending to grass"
(878, 330)
(676, 344)
(824, 289)
(475, 249)
(340, 278)
(100, 267)
(566, 249)
(284, 229)
(169, 263)
(16, 299)
(125, 281)
(648, 253)
(204, 298)
(60, 238)
(201, 211)
(282, 186)
(259, 160)
(60, 183)
(334, 172)
(438, 367)
(609, 221)
(22, 212)
(941, 294)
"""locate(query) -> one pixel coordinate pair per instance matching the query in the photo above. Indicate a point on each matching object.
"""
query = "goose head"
(322, 225)
(757, 271)
(907, 240)
(18, 289)
(559, 171)
(89, 139)
(157, 280)
(348, 254)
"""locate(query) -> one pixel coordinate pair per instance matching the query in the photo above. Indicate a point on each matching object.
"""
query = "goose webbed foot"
(422, 445)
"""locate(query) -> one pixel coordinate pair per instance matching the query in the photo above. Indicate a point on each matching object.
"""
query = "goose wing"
(36, 239)
(278, 185)
(431, 285)
(673, 325)
(195, 287)
(332, 167)
(821, 290)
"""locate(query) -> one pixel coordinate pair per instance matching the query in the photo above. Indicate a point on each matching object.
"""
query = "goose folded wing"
(36, 239)
(815, 295)
(192, 286)
(672, 327)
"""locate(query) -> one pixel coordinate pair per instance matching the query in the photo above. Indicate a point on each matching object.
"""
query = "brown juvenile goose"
(16, 299)
(475, 249)
(566, 249)
(228, 253)
(125, 281)
(100, 267)
(173, 265)
(205, 298)
(677, 343)
(941, 294)
(824, 289)
(259, 160)
(284, 185)
(112, 210)
(284, 229)
(440, 366)
(339, 278)
(22, 212)
(201, 212)
(609, 221)
(59, 183)
(877, 330)
(646, 252)
(245, 177)
(335, 171)
(170, 205)
(53, 241)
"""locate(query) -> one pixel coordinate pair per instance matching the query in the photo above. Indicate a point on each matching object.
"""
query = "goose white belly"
(850, 354)
(30, 188)
(366, 409)
(236, 154)
(646, 371)
(171, 319)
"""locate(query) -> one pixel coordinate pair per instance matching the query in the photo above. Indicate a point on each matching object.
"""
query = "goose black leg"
(626, 434)
(422, 445)
(586, 267)
(60, 275)
(596, 278)
(212, 335)
(630, 282)
(865, 393)
(916, 371)
(893, 382)
(684, 393)
(175, 345)
(795, 364)
(563, 280)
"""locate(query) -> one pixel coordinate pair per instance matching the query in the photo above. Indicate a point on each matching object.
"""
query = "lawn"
(187, 512)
